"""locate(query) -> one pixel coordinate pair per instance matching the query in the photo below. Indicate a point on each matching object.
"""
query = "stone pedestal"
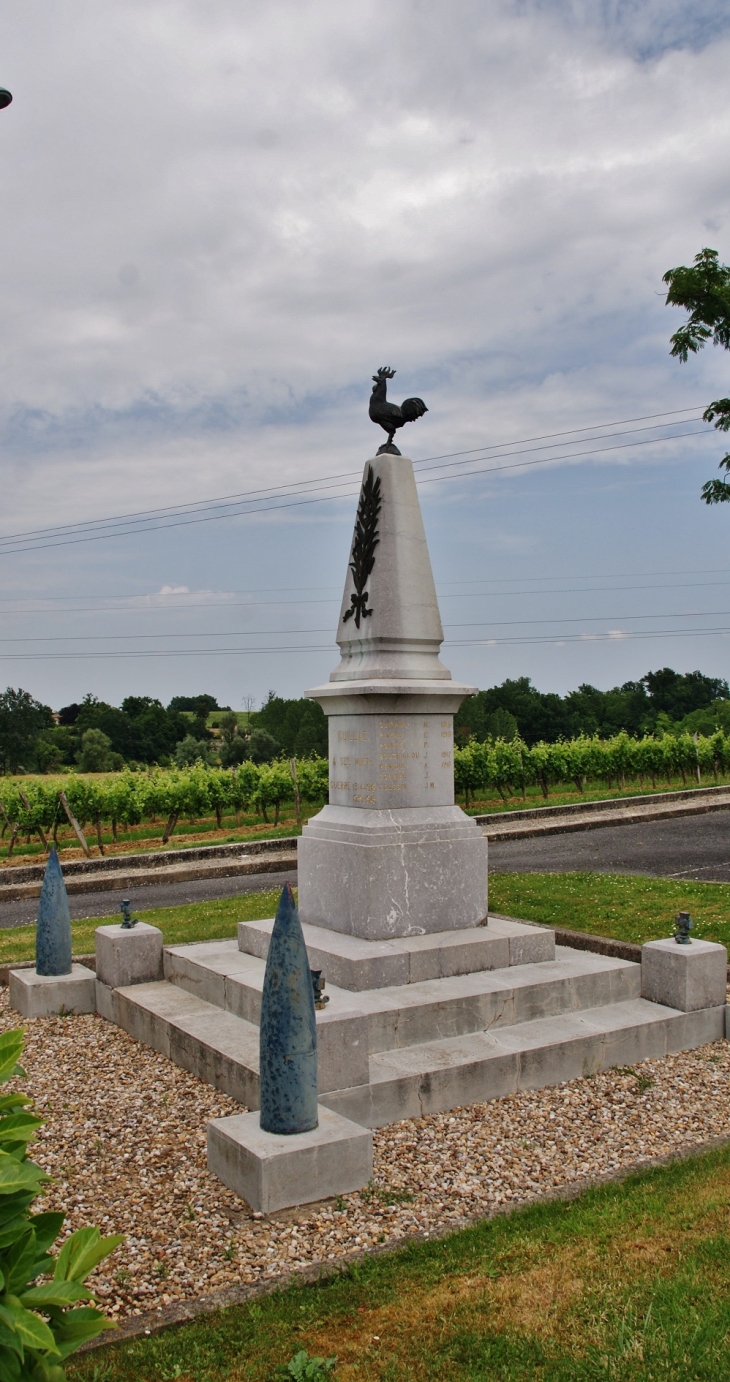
(43, 995)
(685, 977)
(391, 854)
(271, 1172)
(128, 955)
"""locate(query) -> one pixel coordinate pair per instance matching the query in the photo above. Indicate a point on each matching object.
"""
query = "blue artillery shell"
(288, 1041)
(53, 930)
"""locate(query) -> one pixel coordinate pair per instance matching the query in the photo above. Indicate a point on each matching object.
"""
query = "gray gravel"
(106, 904)
(696, 847)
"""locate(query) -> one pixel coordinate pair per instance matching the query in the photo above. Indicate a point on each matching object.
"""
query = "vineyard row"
(39, 804)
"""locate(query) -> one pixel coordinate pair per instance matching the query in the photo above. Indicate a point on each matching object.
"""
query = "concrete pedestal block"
(383, 874)
(273, 1172)
(43, 995)
(128, 955)
(685, 977)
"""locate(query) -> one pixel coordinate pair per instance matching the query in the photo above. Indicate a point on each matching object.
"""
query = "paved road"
(106, 904)
(692, 847)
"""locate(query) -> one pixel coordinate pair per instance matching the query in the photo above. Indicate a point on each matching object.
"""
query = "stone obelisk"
(391, 854)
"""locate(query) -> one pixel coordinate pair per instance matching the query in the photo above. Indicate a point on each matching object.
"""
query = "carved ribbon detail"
(366, 539)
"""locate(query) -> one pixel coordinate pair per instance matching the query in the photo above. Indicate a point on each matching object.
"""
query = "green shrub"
(41, 1322)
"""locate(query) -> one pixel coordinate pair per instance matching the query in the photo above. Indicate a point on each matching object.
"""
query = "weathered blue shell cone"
(288, 1050)
(53, 929)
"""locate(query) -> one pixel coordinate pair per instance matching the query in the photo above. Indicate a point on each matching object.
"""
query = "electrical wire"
(116, 528)
(241, 495)
(271, 633)
(615, 635)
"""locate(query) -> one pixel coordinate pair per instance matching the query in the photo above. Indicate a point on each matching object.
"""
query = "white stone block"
(685, 977)
(273, 1172)
(384, 874)
(128, 955)
(43, 995)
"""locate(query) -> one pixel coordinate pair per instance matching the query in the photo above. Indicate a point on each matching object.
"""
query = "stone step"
(409, 1014)
(439, 1075)
(352, 963)
(221, 1047)
(412, 1080)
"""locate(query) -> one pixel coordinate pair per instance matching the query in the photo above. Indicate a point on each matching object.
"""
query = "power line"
(103, 528)
(616, 635)
(301, 633)
(242, 495)
(324, 498)
(483, 580)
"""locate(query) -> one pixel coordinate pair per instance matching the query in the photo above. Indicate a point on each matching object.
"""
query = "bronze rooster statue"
(388, 415)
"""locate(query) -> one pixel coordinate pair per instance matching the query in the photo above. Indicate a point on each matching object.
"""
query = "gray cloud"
(219, 219)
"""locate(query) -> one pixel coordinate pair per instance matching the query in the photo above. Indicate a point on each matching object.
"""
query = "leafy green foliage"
(539, 715)
(704, 290)
(305, 1369)
(44, 1316)
(299, 726)
(21, 722)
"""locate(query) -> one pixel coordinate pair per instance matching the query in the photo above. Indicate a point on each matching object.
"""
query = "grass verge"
(197, 921)
(628, 1281)
(625, 907)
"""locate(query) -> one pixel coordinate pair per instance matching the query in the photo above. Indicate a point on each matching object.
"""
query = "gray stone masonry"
(42, 995)
(415, 1025)
(352, 963)
(272, 1172)
(391, 854)
(687, 977)
(128, 955)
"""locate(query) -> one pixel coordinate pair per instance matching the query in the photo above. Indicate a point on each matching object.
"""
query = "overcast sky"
(219, 218)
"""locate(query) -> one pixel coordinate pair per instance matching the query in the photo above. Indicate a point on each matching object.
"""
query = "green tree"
(21, 722)
(704, 290)
(96, 752)
(262, 746)
(190, 751)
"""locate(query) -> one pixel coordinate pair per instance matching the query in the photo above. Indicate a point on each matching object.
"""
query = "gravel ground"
(125, 1143)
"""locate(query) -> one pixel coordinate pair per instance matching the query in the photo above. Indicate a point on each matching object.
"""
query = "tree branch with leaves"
(704, 291)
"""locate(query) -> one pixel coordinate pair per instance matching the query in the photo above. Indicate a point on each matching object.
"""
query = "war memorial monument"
(433, 1003)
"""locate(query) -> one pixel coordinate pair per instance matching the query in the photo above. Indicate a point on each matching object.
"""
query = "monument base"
(383, 874)
(273, 1172)
(47, 995)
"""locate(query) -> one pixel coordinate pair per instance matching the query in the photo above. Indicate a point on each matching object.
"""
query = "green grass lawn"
(628, 1282)
(626, 907)
(198, 921)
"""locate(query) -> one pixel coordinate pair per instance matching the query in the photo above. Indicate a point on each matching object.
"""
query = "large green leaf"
(31, 1329)
(11, 1046)
(18, 1127)
(81, 1253)
(14, 1217)
(9, 1339)
(79, 1325)
(11, 1101)
(47, 1227)
(10, 1365)
(42, 1266)
(59, 1294)
(19, 1175)
(18, 1261)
